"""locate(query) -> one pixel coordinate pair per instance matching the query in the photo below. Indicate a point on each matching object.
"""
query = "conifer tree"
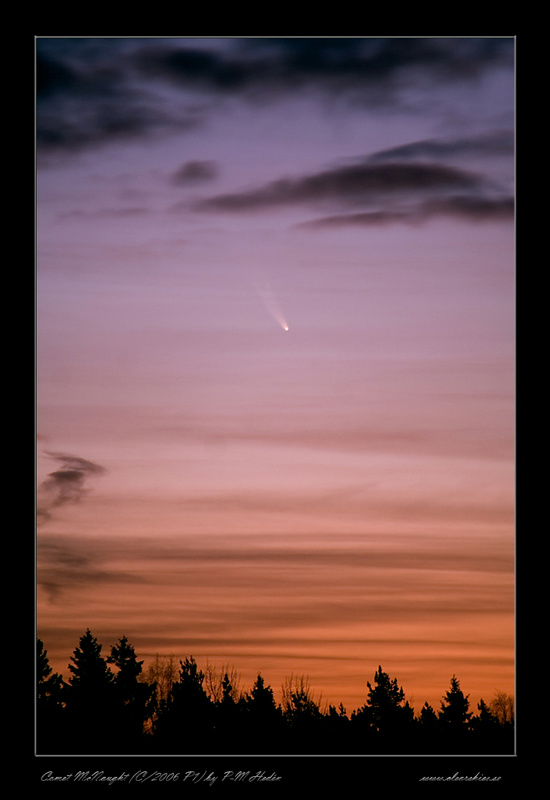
(385, 722)
(428, 717)
(49, 684)
(455, 712)
(184, 721)
(454, 720)
(49, 703)
(262, 718)
(261, 701)
(134, 699)
(90, 696)
(385, 699)
(90, 674)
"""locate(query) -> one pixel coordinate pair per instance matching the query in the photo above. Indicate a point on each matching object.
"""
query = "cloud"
(193, 172)
(359, 183)
(68, 563)
(93, 91)
(283, 63)
(406, 184)
(86, 96)
(469, 208)
(67, 484)
(65, 564)
(488, 143)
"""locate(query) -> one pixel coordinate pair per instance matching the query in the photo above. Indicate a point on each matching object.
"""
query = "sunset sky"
(275, 357)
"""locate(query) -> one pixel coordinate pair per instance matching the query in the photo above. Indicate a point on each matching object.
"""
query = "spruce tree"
(385, 699)
(184, 722)
(454, 719)
(134, 700)
(90, 697)
(49, 704)
(455, 712)
(385, 722)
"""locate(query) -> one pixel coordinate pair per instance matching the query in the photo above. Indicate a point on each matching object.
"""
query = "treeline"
(180, 709)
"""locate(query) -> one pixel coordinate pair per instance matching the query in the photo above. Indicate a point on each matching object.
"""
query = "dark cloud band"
(350, 184)
(93, 91)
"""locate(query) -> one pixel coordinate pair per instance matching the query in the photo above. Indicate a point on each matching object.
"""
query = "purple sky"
(318, 500)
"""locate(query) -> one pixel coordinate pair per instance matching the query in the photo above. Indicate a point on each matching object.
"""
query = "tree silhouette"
(134, 699)
(229, 717)
(427, 732)
(262, 719)
(386, 720)
(386, 701)
(454, 707)
(185, 720)
(90, 697)
(337, 731)
(261, 702)
(49, 684)
(502, 706)
(49, 702)
(214, 680)
(428, 717)
(162, 673)
(125, 711)
(301, 715)
(454, 717)
(489, 734)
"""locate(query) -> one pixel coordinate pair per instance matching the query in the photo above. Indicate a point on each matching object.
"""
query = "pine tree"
(90, 697)
(385, 699)
(185, 720)
(428, 717)
(90, 674)
(49, 684)
(454, 719)
(385, 722)
(49, 704)
(134, 699)
(261, 701)
(262, 719)
(454, 708)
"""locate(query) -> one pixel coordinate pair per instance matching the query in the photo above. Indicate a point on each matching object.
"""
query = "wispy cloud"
(486, 144)
(353, 184)
(65, 564)
(390, 192)
(67, 484)
(472, 209)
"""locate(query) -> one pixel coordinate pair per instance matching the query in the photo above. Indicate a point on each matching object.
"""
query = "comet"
(270, 302)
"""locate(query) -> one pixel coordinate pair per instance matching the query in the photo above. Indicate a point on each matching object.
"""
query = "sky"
(275, 357)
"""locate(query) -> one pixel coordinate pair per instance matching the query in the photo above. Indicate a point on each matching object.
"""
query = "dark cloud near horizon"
(94, 91)
(67, 484)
